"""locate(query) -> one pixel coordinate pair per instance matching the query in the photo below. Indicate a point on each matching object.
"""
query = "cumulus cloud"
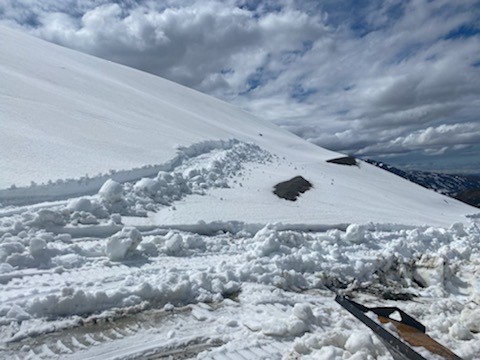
(368, 78)
(214, 46)
(433, 140)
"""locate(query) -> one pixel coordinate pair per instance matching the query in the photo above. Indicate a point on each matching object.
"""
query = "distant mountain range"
(465, 188)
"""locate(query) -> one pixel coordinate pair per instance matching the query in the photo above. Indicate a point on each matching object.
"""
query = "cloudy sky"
(393, 80)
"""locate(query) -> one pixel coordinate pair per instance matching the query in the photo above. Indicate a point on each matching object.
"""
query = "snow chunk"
(275, 327)
(359, 341)
(174, 245)
(46, 217)
(356, 234)
(458, 229)
(81, 204)
(300, 320)
(21, 260)
(111, 191)
(123, 243)
(430, 271)
(470, 318)
(460, 332)
(303, 312)
(268, 239)
(6, 268)
(17, 313)
(37, 247)
(329, 353)
(147, 185)
(268, 246)
(149, 249)
(116, 219)
(297, 327)
(69, 261)
(194, 242)
(8, 248)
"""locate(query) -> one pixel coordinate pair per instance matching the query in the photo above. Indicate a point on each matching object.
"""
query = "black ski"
(398, 349)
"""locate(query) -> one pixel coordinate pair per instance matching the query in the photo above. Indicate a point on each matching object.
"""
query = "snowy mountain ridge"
(95, 116)
(459, 186)
(175, 246)
(448, 184)
(67, 114)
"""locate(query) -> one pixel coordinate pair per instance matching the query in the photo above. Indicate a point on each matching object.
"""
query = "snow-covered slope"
(66, 115)
(172, 246)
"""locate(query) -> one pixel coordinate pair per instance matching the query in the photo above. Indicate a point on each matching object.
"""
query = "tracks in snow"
(219, 332)
(146, 335)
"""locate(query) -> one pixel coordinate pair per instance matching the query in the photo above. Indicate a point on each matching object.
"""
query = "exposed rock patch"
(346, 160)
(470, 196)
(291, 189)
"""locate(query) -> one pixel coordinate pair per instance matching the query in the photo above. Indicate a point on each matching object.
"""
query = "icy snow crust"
(195, 256)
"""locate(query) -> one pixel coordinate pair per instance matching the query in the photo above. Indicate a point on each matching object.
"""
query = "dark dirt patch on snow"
(346, 160)
(291, 189)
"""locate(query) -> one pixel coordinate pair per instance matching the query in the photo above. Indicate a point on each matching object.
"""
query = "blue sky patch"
(301, 94)
(463, 31)
(258, 78)
(407, 52)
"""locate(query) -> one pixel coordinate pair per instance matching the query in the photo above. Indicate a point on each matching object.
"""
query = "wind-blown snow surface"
(175, 245)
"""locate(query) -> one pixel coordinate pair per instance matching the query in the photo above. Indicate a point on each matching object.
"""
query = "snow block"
(356, 233)
(46, 217)
(37, 247)
(123, 243)
(111, 191)
(431, 271)
(17, 313)
(147, 185)
(470, 318)
(80, 204)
